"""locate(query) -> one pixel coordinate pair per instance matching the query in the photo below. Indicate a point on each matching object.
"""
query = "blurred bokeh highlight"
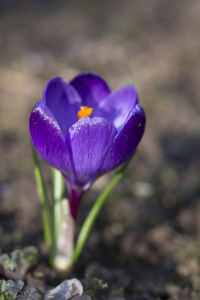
(154, 214)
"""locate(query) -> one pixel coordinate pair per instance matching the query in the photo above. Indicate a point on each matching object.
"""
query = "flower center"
(85, 111)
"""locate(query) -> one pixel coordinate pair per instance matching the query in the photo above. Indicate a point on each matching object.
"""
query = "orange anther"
(85, 111)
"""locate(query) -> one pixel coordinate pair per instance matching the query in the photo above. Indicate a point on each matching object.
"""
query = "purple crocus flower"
(85, 130)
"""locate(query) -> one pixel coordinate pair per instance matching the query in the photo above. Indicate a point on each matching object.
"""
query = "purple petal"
(48, 138)
(91, 88)
(117, 105)
(63, 101)
(126, 140)
(89, 140)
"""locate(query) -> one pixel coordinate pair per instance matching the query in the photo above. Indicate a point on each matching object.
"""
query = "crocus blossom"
(85, 130)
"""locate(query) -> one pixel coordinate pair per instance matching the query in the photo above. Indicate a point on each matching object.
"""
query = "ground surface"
(146, 239)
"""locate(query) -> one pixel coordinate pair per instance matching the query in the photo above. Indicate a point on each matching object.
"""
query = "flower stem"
(64, 225)
(87, 225)
(46, 215)
(75, 196)
(64, 243)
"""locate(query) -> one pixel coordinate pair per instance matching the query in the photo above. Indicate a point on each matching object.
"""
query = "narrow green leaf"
(46, 216)
(87, 225)
(58, 186)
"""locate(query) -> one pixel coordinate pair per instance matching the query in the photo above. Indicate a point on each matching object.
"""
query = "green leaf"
(58, 186)
(46, 216)
(87, 225)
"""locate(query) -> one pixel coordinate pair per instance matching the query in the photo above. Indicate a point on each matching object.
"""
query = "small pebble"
(66, 290)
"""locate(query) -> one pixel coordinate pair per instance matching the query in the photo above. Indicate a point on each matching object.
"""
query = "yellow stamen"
(84, 112)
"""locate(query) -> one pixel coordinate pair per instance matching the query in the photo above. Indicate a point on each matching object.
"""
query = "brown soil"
(146, 239)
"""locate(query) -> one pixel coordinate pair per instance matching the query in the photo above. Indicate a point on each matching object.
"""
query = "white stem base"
(64, 247)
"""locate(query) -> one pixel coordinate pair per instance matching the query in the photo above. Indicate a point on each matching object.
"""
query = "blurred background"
(149, 229)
